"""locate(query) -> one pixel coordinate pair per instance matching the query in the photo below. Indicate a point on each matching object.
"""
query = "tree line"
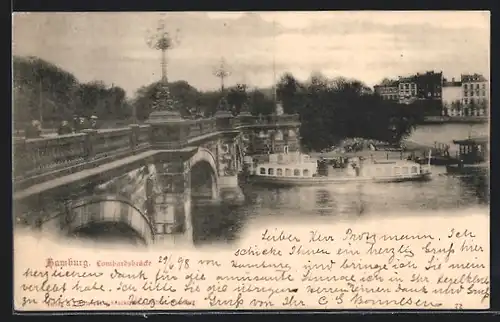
(333, 109)
(43, 91)
(329, 109)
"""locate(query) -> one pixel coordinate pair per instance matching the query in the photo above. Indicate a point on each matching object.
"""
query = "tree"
(237, 96)
(333, 109)
(260, 104)
(288, 91)
(208, 102)
(42, 90)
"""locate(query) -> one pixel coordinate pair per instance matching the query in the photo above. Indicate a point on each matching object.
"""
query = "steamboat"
(297, 169)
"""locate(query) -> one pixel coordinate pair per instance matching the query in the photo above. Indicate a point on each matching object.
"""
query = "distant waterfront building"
(407, 90)
(388, 90)
(452, 97)
(366, 90)
(429, 85)
(475, 94)
(425, 89)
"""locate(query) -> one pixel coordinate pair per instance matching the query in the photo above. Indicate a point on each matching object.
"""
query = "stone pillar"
(134, 136)
(229, 189)
(172, 205)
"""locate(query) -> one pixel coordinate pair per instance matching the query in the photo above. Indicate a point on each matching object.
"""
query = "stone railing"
(38, 160)
(176, 134)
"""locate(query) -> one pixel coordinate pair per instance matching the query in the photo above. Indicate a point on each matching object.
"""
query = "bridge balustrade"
(201, 127)
(105, 144)
(46, 157)
(142, 137)
(35, 156)
(41, 156)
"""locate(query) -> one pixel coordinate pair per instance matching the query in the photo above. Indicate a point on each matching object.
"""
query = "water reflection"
(224, 223)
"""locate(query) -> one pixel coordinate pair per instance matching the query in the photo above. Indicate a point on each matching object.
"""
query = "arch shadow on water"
(204, 183)
(109, 219)
(213, 220)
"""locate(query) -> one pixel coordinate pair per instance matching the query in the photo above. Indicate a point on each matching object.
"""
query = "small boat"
(472, 157)
(298, 169)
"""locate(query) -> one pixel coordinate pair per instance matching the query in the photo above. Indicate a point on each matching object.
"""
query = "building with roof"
(407, 90)
(475, 94)
(388, 90)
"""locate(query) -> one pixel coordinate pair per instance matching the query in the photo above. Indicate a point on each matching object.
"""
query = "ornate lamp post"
(222, 72)
(163, 105)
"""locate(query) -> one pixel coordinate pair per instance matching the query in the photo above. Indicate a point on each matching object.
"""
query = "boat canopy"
(472, 141)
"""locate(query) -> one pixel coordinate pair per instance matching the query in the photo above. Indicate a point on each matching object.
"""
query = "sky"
(368, 46)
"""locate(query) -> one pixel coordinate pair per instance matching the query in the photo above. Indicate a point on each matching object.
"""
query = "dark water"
(225, 223)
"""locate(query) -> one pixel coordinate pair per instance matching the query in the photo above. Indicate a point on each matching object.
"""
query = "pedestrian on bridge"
(64, 128)
(33, 130)
(76, 124)
(93, 122)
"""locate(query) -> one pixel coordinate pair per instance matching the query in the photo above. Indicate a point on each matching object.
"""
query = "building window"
(414, 170)
(484, 93)
(484, 86)
(288, 172)
(397, 171)
(306, 173)
(279, 172)
(285, 149)
(405, 170)
(477, 93)
(477, 86)
(262, 170)
(296, 172)
(465, 86)
(270, 171)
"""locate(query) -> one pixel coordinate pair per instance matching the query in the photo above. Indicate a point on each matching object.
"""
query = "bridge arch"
(204, 176)
(109, 216)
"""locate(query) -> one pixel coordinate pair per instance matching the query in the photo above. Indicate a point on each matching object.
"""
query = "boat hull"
(315, 181)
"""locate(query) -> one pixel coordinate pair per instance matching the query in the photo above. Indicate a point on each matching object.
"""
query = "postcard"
(251, 160)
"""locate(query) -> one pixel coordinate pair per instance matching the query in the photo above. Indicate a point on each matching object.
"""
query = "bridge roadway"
(142, 177)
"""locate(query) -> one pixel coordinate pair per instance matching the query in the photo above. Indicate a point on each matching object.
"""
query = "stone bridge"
(140, 181)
